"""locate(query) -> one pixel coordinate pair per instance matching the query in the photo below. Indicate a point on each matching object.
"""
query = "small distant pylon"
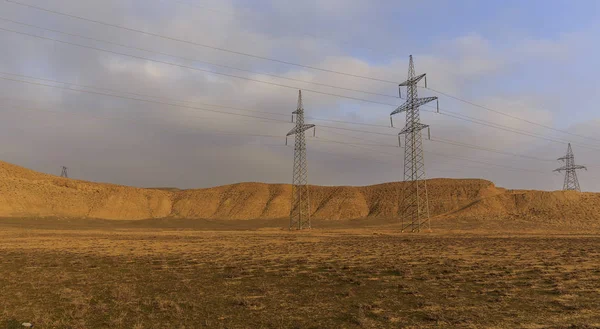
(570, 168)
(300, 210)
(415, 203)
(64, 172)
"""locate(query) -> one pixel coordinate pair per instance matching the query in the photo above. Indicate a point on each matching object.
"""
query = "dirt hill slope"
(257, 200)
(558, 207)
(27, 193)
(24, 192)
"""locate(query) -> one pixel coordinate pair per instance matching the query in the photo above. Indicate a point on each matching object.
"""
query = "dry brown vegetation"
(86, 274)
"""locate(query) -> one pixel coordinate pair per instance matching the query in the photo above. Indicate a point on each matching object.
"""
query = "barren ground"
(211, 274)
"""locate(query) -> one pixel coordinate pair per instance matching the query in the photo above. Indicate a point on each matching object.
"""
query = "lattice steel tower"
(570, 168)
(415, 204)
(64, 172)
(300, 211)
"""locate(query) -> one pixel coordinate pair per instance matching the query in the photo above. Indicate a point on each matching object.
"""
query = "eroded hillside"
(24, 193)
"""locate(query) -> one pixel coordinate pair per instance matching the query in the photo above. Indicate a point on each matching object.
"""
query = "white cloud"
(190, 140)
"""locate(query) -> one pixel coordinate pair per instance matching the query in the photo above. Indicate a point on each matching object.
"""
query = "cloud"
(180, 141)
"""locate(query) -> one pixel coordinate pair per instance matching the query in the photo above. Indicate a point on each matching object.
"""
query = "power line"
(137, 121)
(198, 61)
(192, 102)
(208, 46)
(275, 136)
(316, 36)
(161, 103)
(195, 68)
(436, 154)
(362, 146)
(183, 106)
(476, 147)
(508, 115)
(232, 14)
(372, 142)
(509, 129)
(213, 131)
(266, 58)
(449, 142)
(318, 139)
(139, 94)
(222, 112)
(200, 44)
(265, 74)
(144, 100)
(456, 115)
(448, 156)
(376, 160)
(486, 163)
(429, 152)
(220, 132)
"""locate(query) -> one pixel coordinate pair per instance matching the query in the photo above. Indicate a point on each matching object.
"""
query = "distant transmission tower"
(415, 203)
(570, 168)
(300, 212)
(64, 172)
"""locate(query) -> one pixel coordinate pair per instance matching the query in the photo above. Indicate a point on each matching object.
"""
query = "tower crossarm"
(297, 130)
(412, 128)
(412, 81)
(416, 103)
(572, 167)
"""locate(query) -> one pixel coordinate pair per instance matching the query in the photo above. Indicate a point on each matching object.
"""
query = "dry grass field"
(95, 274)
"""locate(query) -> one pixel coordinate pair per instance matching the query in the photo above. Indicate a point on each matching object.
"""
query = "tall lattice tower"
(300, 211)
(414, 207)
(64, 172)
(570, 168)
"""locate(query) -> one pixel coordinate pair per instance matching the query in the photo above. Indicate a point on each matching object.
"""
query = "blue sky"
(537, 60)
(560, 34)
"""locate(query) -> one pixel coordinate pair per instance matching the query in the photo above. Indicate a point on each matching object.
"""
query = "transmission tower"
(415, 204)
(64, 172)
(570, 168)
(300, 211)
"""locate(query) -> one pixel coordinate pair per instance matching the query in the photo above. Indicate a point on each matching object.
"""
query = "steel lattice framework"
(414, 208)
(570, 168)
(300, 210)
(64, 172)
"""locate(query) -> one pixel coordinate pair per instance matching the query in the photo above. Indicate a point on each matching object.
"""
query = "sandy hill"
(26, 193)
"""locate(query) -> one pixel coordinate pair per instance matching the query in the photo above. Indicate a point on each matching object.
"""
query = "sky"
(127, 92)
